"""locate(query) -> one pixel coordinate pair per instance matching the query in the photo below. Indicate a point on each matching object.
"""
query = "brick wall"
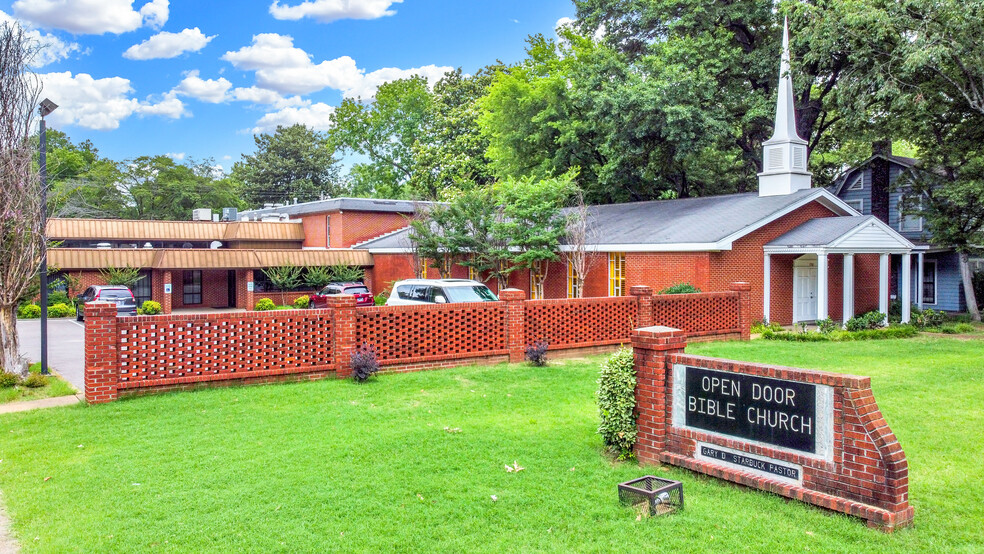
(866, 475)
(663, 269)
(161, 352)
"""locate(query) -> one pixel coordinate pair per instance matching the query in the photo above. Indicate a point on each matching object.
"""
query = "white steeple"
(784, 155)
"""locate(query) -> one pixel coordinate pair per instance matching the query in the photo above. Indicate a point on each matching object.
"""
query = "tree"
(285, 278)
(386, 131)
(578, 235)
(438, 237)
(156, 187)
(294, 162)
(21, 234)
(533, 222)
(487, 252)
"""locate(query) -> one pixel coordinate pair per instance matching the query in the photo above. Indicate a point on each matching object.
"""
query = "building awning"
(198, 258)
(833, 235)
(139, 231)
(265, 231)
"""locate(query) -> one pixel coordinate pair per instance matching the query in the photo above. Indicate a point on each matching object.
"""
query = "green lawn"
(55, 387)
(332, 465)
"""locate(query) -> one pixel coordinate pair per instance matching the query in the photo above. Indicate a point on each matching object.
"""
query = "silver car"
(438, 291)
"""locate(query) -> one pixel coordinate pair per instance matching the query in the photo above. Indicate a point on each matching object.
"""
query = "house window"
(536, 292)
(142, 290)
(856, 204)
(192, 287)
(616, 273)
(929, 282)
(573, 283)
(857, 183)
(910, 222)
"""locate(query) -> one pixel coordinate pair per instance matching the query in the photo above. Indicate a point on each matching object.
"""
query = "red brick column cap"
(342, 301)
(740, 285)
(99, 308)
(658, 331)
(641, 290)
(508, 295)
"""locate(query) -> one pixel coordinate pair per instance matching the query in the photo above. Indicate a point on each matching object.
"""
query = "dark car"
(126, 304)
(361, 293)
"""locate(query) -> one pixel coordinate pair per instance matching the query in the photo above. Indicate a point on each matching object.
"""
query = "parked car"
(126, 304)
(438, 291)
(361, 293)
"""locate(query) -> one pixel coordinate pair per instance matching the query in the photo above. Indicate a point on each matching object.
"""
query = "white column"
(883, 272)
(766, 287)
(919, 280)
(906, 287)
(848, 287)
(822, 288)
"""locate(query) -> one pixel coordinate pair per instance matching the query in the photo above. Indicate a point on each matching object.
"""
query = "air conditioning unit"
(230, 214)
(201, 214)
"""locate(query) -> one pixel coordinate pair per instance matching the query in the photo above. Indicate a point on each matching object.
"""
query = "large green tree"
(81, 183)
(291, 163)
(156, 187)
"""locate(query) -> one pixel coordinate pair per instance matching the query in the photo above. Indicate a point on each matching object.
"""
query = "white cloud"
(52, 49)
(176, 156)
(316, 116)
(282, 67)
(256, 95)
(100, 104)
(93, 17)
(168, 45)
(206, 90)
(327, 11)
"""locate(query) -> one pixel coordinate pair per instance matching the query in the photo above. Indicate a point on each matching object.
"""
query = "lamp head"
(47, 106)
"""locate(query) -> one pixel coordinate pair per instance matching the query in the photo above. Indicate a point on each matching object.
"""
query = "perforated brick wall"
(581, 322)
(698, 314)
(865, 476)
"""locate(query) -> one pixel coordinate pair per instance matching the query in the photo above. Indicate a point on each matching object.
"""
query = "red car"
(361, 293)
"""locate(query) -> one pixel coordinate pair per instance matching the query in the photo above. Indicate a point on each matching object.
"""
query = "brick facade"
(163, 352)
(342, 229)
(866, 477)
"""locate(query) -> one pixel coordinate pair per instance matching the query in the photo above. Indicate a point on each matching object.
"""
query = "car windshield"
(476, 293)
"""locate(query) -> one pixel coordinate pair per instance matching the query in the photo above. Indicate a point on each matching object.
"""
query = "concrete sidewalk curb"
(39, 404)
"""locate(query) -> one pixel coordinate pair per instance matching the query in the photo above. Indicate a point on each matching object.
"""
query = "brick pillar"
(744, 307)
(644, 296)
(652, 347)
(515, 323)
(101, 369)
(166, 297)
(248, 299)
(343, 309)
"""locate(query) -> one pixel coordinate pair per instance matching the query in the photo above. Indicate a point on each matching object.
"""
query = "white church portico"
(810, 246)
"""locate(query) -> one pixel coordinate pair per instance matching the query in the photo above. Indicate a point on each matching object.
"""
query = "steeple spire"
(784, 155)
(785, 111)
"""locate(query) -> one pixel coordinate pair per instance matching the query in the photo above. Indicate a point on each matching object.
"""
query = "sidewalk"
(12, 407)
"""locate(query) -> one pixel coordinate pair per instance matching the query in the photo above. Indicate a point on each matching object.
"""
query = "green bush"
(680, 288)
(871, 320)
(796, 337)
(150, 307)
(60, 310)
(265, 304)
(928, 318)
(380, 299)
(35, 381)
(759, 327)
(58, 297)
(965, 328)
(302, 302)
(616, 403)
(7, 380)
(28, 311)
(895, 332)
(826, 326)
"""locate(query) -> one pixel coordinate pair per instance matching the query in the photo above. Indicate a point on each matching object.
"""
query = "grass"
(331, 465)
(19, 393)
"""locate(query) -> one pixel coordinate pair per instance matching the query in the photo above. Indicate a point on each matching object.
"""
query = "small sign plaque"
(167, 288)
(761, 466)
(249, 286)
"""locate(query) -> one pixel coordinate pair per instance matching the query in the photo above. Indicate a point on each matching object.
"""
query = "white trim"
(823, 272)
(883, 273)
(919, 280)
(847, 276)
(906, 287)
(874, 221)
(858, 183)
(767, 289)
(936, 282)
(828, 200)
(860, 201)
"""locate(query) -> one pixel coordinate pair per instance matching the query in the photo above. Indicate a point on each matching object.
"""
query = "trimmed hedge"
(616, 403)
(897, 332)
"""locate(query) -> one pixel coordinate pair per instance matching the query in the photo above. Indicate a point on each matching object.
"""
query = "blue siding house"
(873, 188)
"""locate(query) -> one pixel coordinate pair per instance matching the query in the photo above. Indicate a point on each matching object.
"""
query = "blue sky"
(197, 79)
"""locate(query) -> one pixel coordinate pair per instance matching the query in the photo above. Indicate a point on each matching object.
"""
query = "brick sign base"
(811, 435)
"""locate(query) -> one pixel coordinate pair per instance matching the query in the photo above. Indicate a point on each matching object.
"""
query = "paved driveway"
(66, 346)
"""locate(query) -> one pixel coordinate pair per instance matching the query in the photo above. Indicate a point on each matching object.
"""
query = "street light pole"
(47, 106)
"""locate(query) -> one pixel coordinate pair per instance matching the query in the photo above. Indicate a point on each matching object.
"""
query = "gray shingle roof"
(336, 204)
(821, 231)
(683, 221)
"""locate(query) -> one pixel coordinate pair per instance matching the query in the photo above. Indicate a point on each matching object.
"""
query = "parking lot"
(66, 346)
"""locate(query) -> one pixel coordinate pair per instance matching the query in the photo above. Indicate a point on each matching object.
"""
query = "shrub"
(826, 326)
(265, 304)
(29, 311)
(797, 337)
(679, 288)
(35, 381)
(124, 276)
(7, 380)
(759, 327)
(58, 297)
(302, 302)
(965, 328)
(150, 307)
(346, 273)
(536, 353)
(364, 363)
(928, 318)
(897, 332)
(949, 330)
(380, 299)
(870, 320)
(616, 403)
(60, 310)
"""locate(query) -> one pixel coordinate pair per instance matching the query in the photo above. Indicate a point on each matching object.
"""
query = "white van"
(438, 291)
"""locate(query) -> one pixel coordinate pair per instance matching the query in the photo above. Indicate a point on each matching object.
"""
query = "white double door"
(805, 290)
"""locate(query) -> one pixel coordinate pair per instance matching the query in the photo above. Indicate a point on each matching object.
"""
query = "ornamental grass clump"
(364, 363)
(616, 403)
